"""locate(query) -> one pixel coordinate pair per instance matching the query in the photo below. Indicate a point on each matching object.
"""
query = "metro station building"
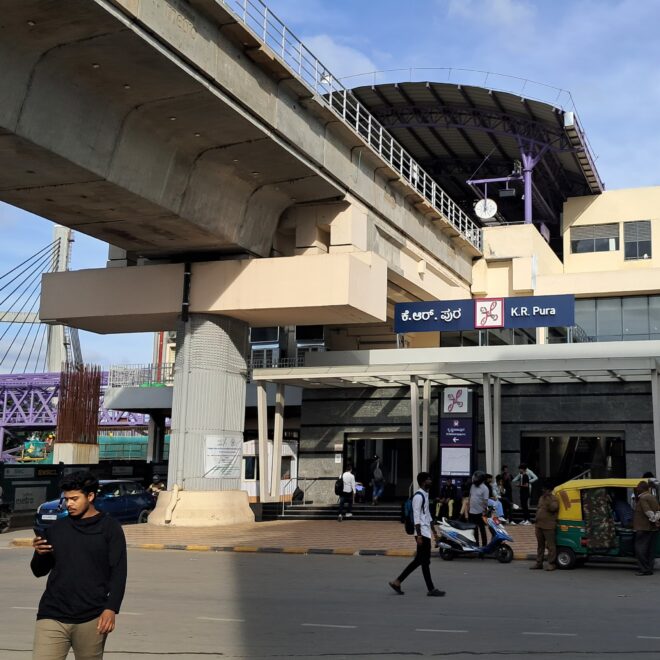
(282, 225)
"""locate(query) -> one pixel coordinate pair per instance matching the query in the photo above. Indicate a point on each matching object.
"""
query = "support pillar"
(426, 412)
(414, 427)
(156, 438)
(530, 160)
(278, 435)
(655, 398)
(488, 423)
(208, 417)
(2, 440)
(262, 432)
(497, 426)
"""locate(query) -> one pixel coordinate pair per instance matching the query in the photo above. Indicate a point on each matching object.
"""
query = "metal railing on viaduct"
(308, 69)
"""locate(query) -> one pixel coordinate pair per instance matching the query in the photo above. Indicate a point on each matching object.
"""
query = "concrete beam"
(332, 289)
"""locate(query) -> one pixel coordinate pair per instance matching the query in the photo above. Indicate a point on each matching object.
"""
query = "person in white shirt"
(346, 498)
(424, 531)
(524, 481)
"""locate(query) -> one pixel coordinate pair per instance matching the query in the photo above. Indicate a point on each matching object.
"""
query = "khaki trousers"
(545, 538)
(52, 640)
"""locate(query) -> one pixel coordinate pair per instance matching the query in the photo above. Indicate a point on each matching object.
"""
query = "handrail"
(309, 70)
(583, 475)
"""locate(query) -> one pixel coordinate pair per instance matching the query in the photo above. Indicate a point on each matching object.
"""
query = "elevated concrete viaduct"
(233, 190)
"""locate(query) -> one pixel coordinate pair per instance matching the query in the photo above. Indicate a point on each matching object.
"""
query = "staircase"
(382, 512)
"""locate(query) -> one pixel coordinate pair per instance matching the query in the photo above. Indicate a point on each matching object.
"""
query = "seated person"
(623, 513)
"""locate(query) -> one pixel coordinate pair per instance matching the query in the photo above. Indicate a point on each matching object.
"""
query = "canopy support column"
(488, 422)
(655, 398)
(278, 435)
(497, 426)
(426, 413)
(262, 427)
(414, 427)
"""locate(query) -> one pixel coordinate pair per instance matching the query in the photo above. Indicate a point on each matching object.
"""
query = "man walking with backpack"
(346, 487)
(424, 531)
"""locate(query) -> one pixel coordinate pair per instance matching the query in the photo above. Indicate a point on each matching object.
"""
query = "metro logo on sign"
(489, 312)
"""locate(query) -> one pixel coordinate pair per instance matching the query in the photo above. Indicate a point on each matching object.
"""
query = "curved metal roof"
(461, 132)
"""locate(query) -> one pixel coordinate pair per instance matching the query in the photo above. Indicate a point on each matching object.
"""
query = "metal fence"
(308, 69)
(141, 375)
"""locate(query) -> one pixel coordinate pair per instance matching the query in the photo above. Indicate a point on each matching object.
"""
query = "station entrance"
(564, 456)
(395, 453)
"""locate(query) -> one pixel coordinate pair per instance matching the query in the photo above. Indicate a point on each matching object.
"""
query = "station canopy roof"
(459, 132)
(605, 362)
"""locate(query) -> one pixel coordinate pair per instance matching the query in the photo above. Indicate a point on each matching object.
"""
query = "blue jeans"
(379, 489)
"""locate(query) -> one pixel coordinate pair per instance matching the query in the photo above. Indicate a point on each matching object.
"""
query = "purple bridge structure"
(29, 402)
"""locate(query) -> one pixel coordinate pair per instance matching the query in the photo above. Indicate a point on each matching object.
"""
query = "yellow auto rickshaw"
(595, 520)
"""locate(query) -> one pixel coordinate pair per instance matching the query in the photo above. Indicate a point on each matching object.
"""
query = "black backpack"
(339, 485)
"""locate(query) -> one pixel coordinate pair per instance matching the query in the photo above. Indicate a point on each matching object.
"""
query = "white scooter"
(459, 539)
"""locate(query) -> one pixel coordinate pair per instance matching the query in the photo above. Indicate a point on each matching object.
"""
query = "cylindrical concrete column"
(208, 405)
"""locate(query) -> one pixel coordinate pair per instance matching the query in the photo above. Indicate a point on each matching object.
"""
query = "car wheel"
(143, 517)
(504, 554)
(566, 559)
(446, 554)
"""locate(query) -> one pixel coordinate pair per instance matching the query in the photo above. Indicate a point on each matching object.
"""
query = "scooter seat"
(457, 524)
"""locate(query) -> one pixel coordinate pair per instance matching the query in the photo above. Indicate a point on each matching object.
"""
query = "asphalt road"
(190, 605)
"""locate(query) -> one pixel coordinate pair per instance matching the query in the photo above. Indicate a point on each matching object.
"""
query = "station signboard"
(485, 313)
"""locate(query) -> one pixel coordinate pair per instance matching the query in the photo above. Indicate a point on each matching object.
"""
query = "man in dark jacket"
(645, 524)
(84, 556)
(545, 526)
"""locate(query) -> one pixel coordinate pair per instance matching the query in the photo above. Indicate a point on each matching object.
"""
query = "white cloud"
(340, 59)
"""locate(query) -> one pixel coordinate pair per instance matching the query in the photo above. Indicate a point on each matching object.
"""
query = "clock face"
(485, 208)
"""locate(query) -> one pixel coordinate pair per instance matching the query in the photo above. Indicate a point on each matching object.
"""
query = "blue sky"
(605, 52)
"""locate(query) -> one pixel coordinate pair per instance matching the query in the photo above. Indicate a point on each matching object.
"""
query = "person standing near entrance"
(347, 494)
(84, 556)
(545, 526)
(377, 479)
(645, 524)
(524, 480)
(424, 531)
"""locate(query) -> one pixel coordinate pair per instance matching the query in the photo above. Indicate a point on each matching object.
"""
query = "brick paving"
(295, 537)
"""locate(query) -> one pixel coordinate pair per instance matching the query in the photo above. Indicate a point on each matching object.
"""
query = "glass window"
(637, 239)
(654, 314)
(259, 335)
(585, 316)
(636, 316)
(608, 319)
(595, 238)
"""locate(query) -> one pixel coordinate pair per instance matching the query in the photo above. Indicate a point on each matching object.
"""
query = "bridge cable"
(38, 268)
(50, 247)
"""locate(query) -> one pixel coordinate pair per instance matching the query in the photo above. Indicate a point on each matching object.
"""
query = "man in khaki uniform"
(545, 526)
(645, 524)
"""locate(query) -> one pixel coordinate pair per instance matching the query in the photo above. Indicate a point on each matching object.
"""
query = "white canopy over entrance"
(489, 366)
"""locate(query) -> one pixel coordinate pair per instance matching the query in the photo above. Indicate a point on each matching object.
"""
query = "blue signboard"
(456, 432)
(485, 313)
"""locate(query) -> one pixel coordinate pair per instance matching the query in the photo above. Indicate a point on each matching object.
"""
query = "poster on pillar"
(223, 457)
(455, 461)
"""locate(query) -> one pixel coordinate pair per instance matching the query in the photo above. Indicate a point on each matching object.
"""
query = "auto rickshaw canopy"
(569, 494)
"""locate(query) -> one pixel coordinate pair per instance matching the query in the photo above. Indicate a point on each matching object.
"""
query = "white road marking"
(440, 631)
(324, 625)
(646, 637)
(551, 634)
(212, 618)
(25, 608)
(132, 613)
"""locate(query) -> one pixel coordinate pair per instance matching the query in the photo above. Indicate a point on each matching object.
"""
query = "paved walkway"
(296, 536)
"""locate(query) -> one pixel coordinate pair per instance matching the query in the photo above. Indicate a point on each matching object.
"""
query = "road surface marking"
(212, 618)
(646, 637)
(25, 608)
(551, 634)
(440, 631)
(324, 625)
(132, 613)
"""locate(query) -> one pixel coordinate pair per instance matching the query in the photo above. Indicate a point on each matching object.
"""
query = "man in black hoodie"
(84, 556)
